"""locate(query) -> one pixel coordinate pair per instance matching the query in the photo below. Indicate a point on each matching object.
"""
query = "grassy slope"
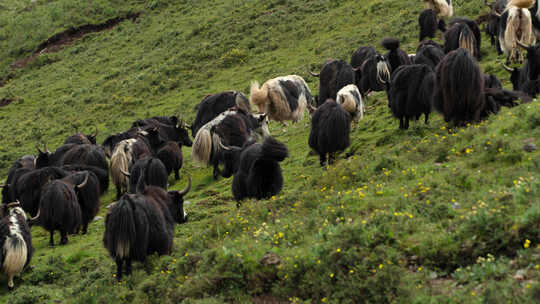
(411, 217)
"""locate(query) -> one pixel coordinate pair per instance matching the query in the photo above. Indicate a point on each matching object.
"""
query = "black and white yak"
(330, 128)
(372, 70)
(429, 23)
(258, 173)
(515, 25)
(16, 241)
(213, 105)
(350, 99)
(171, 156)
(395, 56)
(429, 53)
(231, 128)
(410, 93)
(282, 98)
(141, 224)
(443, 8)
(59, 209)
(463, 33)
(334, 75)
(87, 193)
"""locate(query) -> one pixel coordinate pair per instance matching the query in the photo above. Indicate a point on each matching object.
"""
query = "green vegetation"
(428, 215)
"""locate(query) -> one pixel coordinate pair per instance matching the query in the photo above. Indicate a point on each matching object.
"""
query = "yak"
(429, 53)
(282, 98)
(171, 156)
(515, 26)
(330, 128)
(492, 28)
(429, 23)
(395, 56)
(59, 209)
(463, 33)
(213, 105)
(410, 92)
(442, 7)
(149, 171)
(169, 128)
(334, 75)
(350, 99)
(143, 223)
(16, 241)
(231, 128)
(459, 88)
(80, 138)
(527, 78)
(258, 173)
(372, 70)
(109, 144)
(29, 186)
(87, 193)
(27, 163)
(91, 156)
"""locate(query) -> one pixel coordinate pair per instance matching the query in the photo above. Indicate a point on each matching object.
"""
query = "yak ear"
(262, 117)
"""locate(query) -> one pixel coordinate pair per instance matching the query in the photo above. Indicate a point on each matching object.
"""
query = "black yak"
(442, 7)
(29, 186)
(259, 174)
(109, 144)
(491, 81)
(59, 209)
(334, 75)
(87, 195)
(282, 98)
(429, 23)
(410, 93)
(147, 171)
(213, 105)
(231, 128)
(101, 174)
(350, 99)
(463, 33)
(527, 78)
(16, 241)
(395, 56)
(515, 25)
(459, 88)
(80, 138)
(27, 163)
(143, 223)
(330, 127)
(372, 70)
(169, 128)
(89, 156)
(171, 156)
(429, 53)
(492, 28)
(47, 159)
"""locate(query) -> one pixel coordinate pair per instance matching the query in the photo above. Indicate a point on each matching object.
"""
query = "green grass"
(428, 215)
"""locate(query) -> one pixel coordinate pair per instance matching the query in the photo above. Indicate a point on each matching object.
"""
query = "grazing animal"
(330, 127)
(169, 128)
(515, 26)
(410, 92)
(442, 7)
(527, 79)
(282, 98)
(213, 105)
(59, 209)
(459, 88)
(491, 81)
(231, 128)
(429, 53)
(148, 171)
(16, 241)
(171, 156)
(350, 99)
(80, 138)
(27, 163)
(461, 35)
(29, 186)
(143, 223)
(101, 174)
(259, 173)
(89, 156)
(109, 144)
(395, 56)
(372, 70)
(334, 75)
(47, 159)
(535, 18)
(429, 23)
(517, 78)
(492, 28)
(87, 193)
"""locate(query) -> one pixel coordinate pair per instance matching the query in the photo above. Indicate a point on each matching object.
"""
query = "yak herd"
(61, 190)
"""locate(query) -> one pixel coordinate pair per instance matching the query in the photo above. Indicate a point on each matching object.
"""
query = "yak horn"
(37, 147)
(357, 68)
(95, 133)
(125, 173)
(497, 14)
(4, 185)
(188, 187)
(521, 44)
(222, 146)
(84, 182)
(507, 68)
(14, 204)
(33, 219)
(314, 74)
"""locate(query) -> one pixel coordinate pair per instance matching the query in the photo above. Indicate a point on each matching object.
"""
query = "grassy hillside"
(428, 215)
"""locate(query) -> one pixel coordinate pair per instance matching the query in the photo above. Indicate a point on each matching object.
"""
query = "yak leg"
(176, 174)
(128, 266)
(401, 124)
(51, 239)
(63, 239)
(427, 117)
(322, 158)
(216, 172)
(406, 123)
(85, 228)
(118, 192)
(118, 268)
(331, 158)
(11, 285)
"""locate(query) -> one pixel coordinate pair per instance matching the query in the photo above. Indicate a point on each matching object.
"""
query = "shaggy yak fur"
(429, 53)
(395, 56)
(101, 174)
(143, 223)
(82, 139)
(463, 33)
(442, 7)
(29, 186)
(47, 159)
(148, 171)
(16, 241)
(330, 127)
(231, 128)
(515, 26)
(459, 88)
(27, 163)
(171, 156)
(282, 98)
(89, 156)
(410, 92)
(527, 78)
(350, 99)
(492, 28)
(259, 174)
(334, 75)
(87, 195)
(59, 209)
(213, 105)
(169, 128)
(429, 23)
(372, 70)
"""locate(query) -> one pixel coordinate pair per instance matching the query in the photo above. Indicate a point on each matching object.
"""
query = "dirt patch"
(67, 37)
(5, 101)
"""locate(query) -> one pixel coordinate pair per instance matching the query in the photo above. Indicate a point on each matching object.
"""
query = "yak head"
(42, 159)
(181, 130)
(92, 137)
(153, 138)
(230, 157)
(176, 203)
(11, 209)
(262, 125)
(514, 76)
(533, 60)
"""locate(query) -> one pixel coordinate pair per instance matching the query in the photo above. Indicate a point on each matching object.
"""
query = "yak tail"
(347, 102)
(273, 150)
(383, 72)
(120, 230)
(120, 162)
(258, 96)
(467, 40)
(390, 44)
(16, 254)
(202, 146)
(298, 114)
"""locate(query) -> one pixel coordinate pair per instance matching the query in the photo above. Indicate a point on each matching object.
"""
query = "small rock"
(98, 218)
(530, 147)
(270, 258)
(110, 205)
